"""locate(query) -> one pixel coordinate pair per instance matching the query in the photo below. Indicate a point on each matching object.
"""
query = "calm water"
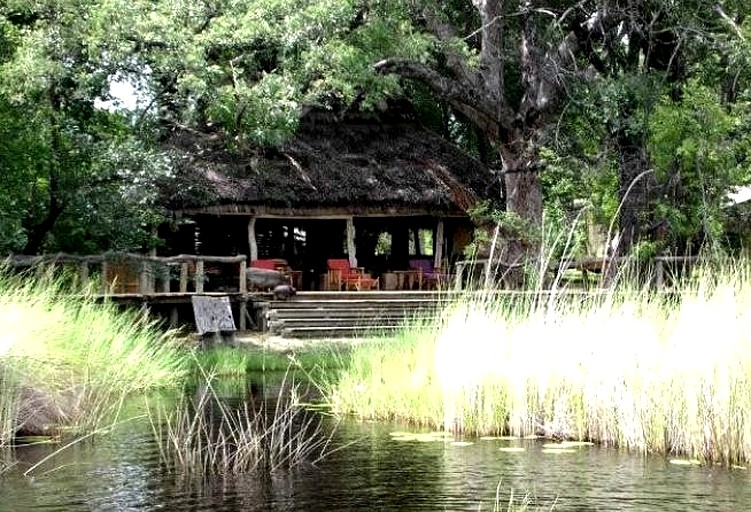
(122, 472)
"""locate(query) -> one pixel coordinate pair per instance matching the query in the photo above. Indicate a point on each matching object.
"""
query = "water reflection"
(122, 472)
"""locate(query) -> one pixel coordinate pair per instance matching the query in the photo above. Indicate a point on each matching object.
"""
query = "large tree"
(253, 67)
(75, 177)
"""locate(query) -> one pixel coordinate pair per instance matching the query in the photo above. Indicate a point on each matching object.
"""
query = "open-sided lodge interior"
(381, 245)
(377, 190)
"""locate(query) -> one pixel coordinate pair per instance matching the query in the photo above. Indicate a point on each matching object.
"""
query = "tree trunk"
(37, 234)
(637, 189)
(524, 206)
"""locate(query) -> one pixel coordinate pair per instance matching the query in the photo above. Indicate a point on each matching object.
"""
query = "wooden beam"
(333, 212)
(438, 244)
(351, 242)
(252, 242)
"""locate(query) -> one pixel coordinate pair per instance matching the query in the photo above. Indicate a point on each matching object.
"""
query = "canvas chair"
(429, 276)
(340, 276)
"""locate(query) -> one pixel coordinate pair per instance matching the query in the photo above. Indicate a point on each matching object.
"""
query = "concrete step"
(340, 314)
(348, 312)
(354, 304)
(364, 295)
(338, 332)
(279, 324)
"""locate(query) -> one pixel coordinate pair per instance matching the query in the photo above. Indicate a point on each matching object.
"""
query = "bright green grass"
(79, 352)
(228, 361)
(639, 370)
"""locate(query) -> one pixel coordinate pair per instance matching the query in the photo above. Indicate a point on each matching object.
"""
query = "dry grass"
(206, 436)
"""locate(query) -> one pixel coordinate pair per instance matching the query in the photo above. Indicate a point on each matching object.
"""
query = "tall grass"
(631, 368)
(73, 359)
(206, 436)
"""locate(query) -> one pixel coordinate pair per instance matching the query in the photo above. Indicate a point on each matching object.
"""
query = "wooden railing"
(664, 268)
(127, 273)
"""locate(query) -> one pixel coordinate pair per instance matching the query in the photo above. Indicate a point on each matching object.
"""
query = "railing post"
(184, 277)
(659, 274)
(199, 277)
(166, 280)
(144, 279)
(105, 283)
(83, 273)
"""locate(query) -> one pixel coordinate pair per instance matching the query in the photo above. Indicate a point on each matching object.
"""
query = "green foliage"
(698, 148)
(81, 177)
(77, 177)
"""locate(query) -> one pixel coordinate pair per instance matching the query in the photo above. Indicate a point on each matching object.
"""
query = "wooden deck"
(166, 286)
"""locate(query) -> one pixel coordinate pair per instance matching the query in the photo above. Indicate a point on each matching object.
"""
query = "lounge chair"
(429, 276)
(341, 276)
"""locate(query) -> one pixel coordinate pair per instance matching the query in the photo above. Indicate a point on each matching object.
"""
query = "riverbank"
(634, 369)
(67, 361)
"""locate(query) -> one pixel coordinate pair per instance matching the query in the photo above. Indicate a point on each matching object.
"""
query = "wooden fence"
(146, 280)
(126, 273)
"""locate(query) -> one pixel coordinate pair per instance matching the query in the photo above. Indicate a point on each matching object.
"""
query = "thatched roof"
(360, 162)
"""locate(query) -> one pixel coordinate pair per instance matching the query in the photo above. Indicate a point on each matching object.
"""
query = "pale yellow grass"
(631, 369)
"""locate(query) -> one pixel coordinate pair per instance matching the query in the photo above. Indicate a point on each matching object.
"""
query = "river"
(121, 472)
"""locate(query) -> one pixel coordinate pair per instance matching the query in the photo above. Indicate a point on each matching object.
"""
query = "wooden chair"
(340, 276)
(429, 276)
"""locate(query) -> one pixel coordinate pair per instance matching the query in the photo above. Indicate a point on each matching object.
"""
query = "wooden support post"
(199, 277)
(252, 239)
(243, 314)
(438, 261)
(243, 295)
(173, 318)
(243, 278)
(184, 277)
(351, 242)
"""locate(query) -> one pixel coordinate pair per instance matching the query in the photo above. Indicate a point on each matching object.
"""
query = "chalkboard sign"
(213, 314)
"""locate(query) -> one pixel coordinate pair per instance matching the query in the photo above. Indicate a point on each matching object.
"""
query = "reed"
(668, 373)
(207, 436)
(515, 502)
(73, 360)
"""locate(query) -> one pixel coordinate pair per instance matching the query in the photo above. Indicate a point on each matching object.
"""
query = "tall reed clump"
(207, 436)
(631, 368)
(72, 360)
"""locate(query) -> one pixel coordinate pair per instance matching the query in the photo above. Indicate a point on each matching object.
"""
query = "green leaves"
(698, 148)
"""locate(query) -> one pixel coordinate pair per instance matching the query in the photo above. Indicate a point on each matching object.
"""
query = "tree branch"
(462, 96)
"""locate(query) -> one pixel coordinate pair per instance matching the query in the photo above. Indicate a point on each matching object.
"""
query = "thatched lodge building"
(377, 189)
